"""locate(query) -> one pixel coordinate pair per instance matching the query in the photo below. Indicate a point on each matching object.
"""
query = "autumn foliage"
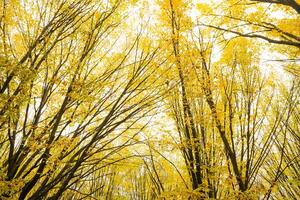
(144, 100)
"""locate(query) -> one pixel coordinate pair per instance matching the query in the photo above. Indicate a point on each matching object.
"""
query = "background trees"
(138, 100)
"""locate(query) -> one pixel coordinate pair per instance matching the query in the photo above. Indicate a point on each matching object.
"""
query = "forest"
(149, 99)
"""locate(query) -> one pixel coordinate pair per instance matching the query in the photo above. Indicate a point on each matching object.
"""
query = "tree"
(239, 98)
(66, 104)
(171, 99)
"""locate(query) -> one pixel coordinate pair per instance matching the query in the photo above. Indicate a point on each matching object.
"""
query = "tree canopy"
(145, 100)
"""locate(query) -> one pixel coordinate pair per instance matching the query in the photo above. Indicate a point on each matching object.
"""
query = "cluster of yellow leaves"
(9, 187)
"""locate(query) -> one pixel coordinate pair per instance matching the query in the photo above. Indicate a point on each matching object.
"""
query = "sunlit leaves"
(170, 99)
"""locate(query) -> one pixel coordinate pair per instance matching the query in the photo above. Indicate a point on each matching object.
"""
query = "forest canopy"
(146, 100)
